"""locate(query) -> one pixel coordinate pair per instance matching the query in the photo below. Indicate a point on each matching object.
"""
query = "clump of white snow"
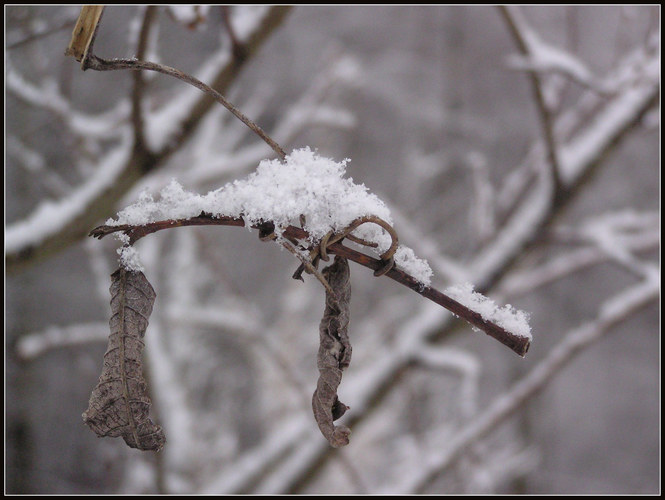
(507, 317)
(304, 184)
(418, 268)
(129, 256)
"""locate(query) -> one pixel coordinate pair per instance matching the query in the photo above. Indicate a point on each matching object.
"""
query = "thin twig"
(517, 343)
(99, 64)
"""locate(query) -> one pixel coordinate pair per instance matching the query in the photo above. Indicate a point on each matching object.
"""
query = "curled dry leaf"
(334, 353)
(119, 405)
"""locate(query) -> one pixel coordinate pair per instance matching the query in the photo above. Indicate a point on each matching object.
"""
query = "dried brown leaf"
(334, 353)
(119, 405)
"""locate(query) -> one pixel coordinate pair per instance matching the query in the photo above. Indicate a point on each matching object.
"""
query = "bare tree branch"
(517, 343)
(33, 239)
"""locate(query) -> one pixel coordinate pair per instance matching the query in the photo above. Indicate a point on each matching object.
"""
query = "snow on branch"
(456, 361)
(622, 111)
(305, 184)
(577, 157)
(312, 191)
(524, 282)
(614, 234)
(541, 56)
(35, 163)
(190, 16)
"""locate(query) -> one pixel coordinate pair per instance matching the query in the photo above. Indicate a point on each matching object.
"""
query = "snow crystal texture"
(507, 317)
(304, 184)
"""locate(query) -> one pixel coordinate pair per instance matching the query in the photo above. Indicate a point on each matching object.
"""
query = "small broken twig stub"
(84, 33)
(334, 353)
(119, 404)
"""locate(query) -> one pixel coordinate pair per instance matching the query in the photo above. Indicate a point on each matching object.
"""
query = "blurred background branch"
(437, 122)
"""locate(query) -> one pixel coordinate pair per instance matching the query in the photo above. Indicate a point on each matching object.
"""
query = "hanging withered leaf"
(119, 405)
(334, 353)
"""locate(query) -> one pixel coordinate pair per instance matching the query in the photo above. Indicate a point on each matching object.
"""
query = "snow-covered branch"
(36, 164)
(530, 46)
(578, 158)
(106, 125)
(54, 225)
(620, 237)
(486, 194)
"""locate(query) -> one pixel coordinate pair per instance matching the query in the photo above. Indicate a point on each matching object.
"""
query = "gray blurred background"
(425, 104)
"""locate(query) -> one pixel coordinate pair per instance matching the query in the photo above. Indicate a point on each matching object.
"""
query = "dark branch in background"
(39, 33)
(90, 61)
(518, 344)
(99, 64)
